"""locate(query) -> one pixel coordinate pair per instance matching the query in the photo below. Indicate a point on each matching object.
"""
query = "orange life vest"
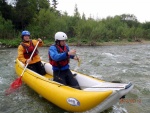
(28, 49)
(60, 63)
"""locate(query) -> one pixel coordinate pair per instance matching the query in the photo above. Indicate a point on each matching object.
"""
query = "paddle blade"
(14, 86)
(79, 62)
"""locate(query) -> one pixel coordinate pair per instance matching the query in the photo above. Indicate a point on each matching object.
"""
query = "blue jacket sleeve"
(55, 55)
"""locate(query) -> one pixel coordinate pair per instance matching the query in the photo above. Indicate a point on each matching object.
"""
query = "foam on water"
(1, 80)
(119, 109)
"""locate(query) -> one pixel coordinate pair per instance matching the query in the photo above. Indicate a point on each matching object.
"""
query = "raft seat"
(92, 88)
(107, 86)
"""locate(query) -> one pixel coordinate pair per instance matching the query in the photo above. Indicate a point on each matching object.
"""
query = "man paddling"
(59, 55)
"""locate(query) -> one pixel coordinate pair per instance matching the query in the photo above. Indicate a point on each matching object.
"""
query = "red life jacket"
(62, 62)
(28, 49)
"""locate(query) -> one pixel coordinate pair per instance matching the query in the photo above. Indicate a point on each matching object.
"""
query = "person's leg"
(40, 68)
(59, 77)
(32, 67)
(71, 81)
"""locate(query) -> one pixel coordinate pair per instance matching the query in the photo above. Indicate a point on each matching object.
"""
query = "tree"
(44, 24)
(146, 28)
(42, 4)
(54, 3)
(130, 19)
(83, 17)
(6, 28)
(6, 10)
(76, 12)
(24, 12)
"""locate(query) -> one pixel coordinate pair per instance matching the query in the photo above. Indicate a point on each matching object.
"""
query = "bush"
(10, 43)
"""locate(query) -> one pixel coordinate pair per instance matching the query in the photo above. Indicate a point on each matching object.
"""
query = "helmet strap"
(57, 42)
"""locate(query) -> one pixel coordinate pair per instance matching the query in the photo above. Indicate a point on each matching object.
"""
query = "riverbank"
(125, 43)
(111, 43)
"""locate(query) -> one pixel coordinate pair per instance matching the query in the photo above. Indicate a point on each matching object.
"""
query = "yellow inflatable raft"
(96, 95)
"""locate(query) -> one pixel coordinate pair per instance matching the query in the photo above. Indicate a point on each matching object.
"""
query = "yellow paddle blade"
(79, 62)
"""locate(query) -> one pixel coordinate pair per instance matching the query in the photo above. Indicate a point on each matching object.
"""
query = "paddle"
(18, 82)
(79, 61)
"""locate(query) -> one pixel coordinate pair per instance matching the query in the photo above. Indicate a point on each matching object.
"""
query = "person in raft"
(25, 50)
(59, 55)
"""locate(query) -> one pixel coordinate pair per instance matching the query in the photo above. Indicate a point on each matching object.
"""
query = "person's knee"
(60, 80)
(31, 67)
(41, 68)
(43, 72)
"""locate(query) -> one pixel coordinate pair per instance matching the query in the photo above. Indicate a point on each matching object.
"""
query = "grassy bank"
(9, 43)
(124, 43)
(112, 43)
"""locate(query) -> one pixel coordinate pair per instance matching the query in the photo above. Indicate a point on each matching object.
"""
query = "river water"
(129, 63)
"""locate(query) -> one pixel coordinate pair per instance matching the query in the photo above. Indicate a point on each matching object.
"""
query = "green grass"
(10, 42)
(72, 41)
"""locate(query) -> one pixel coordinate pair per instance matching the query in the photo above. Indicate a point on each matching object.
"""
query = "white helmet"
(60, 36)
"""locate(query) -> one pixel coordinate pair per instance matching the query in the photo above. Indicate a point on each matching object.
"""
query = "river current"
(130, 63)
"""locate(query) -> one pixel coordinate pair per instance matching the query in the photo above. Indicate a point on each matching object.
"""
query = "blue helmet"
(25, 33)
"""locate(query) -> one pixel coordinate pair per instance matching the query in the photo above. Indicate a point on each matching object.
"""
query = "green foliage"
(44, 21)
(6, 28)
(5, 10)
(24, 12)
(43, 24)
(10, 43)
(48, 42)
(54, 3)
(42, 4)
(146, 30)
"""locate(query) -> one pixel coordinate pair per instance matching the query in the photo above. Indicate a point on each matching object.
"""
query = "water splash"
(119, 109)
(110, 55)
(1, 80)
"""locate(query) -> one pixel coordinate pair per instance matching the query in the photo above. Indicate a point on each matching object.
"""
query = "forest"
(43, 20)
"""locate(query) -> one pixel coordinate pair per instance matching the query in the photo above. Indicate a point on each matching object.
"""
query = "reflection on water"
(110, 63)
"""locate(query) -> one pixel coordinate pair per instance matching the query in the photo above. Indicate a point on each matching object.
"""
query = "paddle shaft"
(30, 59)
